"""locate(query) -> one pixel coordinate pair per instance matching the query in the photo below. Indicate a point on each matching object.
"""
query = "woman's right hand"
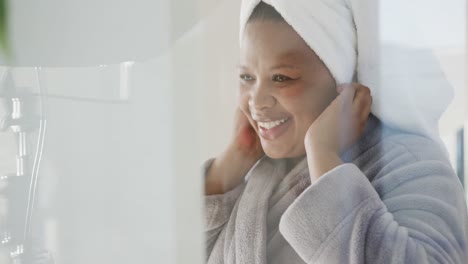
(246, 139)
(229, 169)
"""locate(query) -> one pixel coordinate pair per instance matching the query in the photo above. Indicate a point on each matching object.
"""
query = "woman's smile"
(274, 129)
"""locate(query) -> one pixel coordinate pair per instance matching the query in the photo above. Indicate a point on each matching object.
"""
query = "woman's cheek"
(293, 91)
(243, 98)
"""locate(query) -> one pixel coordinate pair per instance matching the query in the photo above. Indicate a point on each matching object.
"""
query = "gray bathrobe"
(395, 199)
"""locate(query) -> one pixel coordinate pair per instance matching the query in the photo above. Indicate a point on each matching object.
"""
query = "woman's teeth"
(269, 125)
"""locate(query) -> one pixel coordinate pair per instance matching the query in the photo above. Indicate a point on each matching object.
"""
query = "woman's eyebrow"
(290, 59)
(276, 67)
(284, 66)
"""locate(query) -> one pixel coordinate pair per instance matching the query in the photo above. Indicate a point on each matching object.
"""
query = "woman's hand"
(229, 169)
(246, 139)
(339, 126)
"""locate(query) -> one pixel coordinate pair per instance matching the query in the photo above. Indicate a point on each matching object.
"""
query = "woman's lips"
(273, 130)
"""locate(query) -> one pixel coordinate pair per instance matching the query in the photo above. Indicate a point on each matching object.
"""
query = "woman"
(312, 176)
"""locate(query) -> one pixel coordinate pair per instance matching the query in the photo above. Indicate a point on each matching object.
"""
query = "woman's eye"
(281, 78)
(246, 77)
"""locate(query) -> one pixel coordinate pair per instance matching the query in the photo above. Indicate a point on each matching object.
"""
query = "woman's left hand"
(339, 126)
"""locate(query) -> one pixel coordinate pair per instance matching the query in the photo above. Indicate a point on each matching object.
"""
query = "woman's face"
(284, 86)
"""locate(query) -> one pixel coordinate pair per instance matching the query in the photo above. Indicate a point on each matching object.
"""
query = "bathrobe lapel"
(251, 219)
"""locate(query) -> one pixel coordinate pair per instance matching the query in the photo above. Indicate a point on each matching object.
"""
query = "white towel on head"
(329, 21)
(345, 35)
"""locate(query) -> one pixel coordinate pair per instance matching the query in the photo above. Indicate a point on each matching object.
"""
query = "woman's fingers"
(367, 108)
(246, 138)
(356, 94)
(356, 101)
(346, 95)
(341, 124)
(362, 104)
(340, 88)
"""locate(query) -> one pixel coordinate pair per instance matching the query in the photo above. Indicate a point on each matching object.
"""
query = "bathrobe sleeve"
(413, 212)
(218, 209)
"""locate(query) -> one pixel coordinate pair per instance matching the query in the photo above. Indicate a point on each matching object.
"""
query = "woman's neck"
(292, 162)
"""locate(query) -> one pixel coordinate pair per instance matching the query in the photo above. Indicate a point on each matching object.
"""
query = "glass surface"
(131, 99)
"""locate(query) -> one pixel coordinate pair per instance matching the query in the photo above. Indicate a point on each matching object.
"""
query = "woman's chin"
(275, 153)
(274, 156)
(278, 153)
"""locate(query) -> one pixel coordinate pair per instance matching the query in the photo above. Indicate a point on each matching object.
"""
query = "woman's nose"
(261, 98)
